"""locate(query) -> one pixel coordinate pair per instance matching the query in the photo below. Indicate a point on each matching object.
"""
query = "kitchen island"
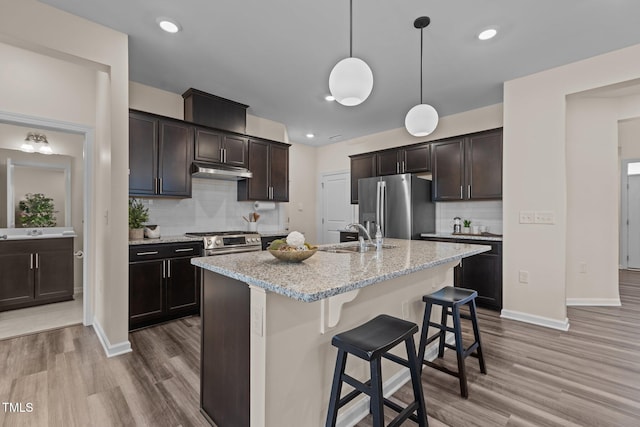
(267, 358)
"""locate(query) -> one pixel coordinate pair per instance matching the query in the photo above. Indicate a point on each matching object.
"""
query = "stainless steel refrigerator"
(400, 204)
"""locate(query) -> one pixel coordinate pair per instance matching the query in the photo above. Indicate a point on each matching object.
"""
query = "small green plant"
(37, 210)
(467, 223)
(138, 214)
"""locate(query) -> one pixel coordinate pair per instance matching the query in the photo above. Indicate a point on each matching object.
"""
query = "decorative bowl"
(293, 256)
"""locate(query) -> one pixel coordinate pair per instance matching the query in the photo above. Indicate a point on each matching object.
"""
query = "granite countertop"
(489, 237)
(165, 239)
(326, 274)
(274, 233)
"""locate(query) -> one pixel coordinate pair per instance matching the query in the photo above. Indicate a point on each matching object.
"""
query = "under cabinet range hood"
(219, 171)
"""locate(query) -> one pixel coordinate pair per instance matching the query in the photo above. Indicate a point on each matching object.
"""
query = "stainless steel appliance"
(400, 204)
(228, 242)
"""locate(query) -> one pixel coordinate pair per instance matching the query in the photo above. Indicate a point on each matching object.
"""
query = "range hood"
(219, 171)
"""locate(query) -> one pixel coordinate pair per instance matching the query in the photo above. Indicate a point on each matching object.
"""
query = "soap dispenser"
(378, 238)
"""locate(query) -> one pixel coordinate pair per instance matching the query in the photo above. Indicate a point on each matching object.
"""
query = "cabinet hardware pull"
(163, 265)
(168, 268)
(30, 261)
(469, 191)
(224, 151)
(461, 196)
(221, 155)
(397, 167)
(147, 253)
(403, 168)
(184, 250)
(37, 261)
(159, 185)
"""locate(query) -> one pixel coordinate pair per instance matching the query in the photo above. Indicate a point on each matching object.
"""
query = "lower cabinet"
(163, 284)
(348, 236)
(482, 272)
(35, 272)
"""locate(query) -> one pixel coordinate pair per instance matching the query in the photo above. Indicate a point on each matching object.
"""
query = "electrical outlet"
(523, 276)
(526, 217)
(257, 322)
(583, 267)
(405, 310)
(544, 217)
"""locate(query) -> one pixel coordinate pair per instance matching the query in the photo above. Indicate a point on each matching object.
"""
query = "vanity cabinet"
(468, 167)
(163, 284)
(362, 166)
(269, 163)
(218, 147)
(35, 272)
(160, 156)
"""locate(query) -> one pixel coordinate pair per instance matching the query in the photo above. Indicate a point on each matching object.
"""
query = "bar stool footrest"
(441, 368)
(403, 413)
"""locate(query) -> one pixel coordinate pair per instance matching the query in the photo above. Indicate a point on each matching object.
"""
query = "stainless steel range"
(228, 242)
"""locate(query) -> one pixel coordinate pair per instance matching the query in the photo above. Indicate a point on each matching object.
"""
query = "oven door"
(236, 250)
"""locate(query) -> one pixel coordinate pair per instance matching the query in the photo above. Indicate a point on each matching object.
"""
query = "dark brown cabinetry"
(482, 272)
(362, 166)
(218, 147)
(468, 168)
(348, 236)
(160, 155)
(35, 272)
(410, 159)
(269, 163)
(163, 284)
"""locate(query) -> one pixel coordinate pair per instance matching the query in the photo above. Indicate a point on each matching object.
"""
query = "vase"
(136, 233)
(465, 230)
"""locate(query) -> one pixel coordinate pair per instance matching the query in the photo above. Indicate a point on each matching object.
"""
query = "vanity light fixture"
(422, 119)
(351, 79)
(169, 25)
(36, 138)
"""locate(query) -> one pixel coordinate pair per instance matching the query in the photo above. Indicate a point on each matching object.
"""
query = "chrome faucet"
(366, 233)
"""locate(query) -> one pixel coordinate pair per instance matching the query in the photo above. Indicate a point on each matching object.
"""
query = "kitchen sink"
(353, 249)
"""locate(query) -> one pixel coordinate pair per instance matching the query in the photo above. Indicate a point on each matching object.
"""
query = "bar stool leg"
(418, 395)
(424, 333)
(443, 332)
(462, 374)
(476, 334)
(377, 399)
(336, 389)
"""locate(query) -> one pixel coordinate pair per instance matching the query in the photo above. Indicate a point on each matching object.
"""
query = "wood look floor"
(589, 376)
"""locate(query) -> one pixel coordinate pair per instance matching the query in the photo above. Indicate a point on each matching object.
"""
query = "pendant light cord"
(350, 28)
(421, 50)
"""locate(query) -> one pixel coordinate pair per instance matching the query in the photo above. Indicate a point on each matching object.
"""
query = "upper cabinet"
(160, 156)
(269, 163)
(219, 147)
(410, 159)
(362, 166)
(468, 168)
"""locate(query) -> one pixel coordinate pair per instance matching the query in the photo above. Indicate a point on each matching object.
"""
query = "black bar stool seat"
(451, 299)
(371, 341)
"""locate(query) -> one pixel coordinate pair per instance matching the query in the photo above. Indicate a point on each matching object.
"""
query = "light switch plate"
(544, 217)
(526, 217)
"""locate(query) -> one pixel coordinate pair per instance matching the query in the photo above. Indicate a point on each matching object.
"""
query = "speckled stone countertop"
(463, 236)
(165, 239)
(326, 274)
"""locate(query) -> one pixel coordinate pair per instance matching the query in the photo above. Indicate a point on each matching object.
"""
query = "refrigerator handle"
(383, 206)
(378, 186)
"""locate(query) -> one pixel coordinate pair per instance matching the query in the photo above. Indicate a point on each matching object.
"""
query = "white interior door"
(633, 212)
(336, 205)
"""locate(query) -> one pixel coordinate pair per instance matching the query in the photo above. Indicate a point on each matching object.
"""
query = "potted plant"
(466, 226)
(138, 215)
(37, 210)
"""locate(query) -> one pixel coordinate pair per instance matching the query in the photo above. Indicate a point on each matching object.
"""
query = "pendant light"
(422, 119)
(351, 79)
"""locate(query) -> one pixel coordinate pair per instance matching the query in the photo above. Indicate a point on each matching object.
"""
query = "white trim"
(547, 322)
(110, 349)
(603, 302)
(356, 413)
(77, 290)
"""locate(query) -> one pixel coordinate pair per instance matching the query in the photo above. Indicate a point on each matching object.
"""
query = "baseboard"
(352, 416)
(110, 349)
(78, 290)
(562, 325)
(602, 302)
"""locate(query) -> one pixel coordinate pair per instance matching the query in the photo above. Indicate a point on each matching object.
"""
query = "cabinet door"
(183, 290)
(362, 166)
(279, 181)
(146, 291)
(208, 145)
(54, 269)
(143, 155)
(16, 277)
(483, 160)
(176, 155)
(416, 159)
(483, 273)
(258, 186)
(388, 163)
(448, 170)
(236, 151)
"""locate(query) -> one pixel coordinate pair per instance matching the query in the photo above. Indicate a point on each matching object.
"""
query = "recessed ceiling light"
(487, 34)
(168, 25)
(310, 135)
(329, 98)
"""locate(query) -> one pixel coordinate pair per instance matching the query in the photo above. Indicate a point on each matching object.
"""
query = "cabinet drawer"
(166, 250)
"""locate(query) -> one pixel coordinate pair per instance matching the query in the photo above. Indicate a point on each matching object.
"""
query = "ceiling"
(276, 55)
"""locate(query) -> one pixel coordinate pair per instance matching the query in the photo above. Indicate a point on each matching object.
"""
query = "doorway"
(337, 211)
(630, 214)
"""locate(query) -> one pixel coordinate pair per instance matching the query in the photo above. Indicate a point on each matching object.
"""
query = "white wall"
(535, 177)
(53, 93)
(629, 138)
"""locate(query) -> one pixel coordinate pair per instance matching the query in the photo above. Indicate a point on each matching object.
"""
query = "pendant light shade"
(351, 79)
(422, 119)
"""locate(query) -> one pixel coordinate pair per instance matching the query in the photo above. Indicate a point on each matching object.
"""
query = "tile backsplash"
(487, 213)
(212, 207)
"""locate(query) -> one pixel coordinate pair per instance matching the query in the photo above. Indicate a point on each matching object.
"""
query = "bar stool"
(371, 341)
(451, 299)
